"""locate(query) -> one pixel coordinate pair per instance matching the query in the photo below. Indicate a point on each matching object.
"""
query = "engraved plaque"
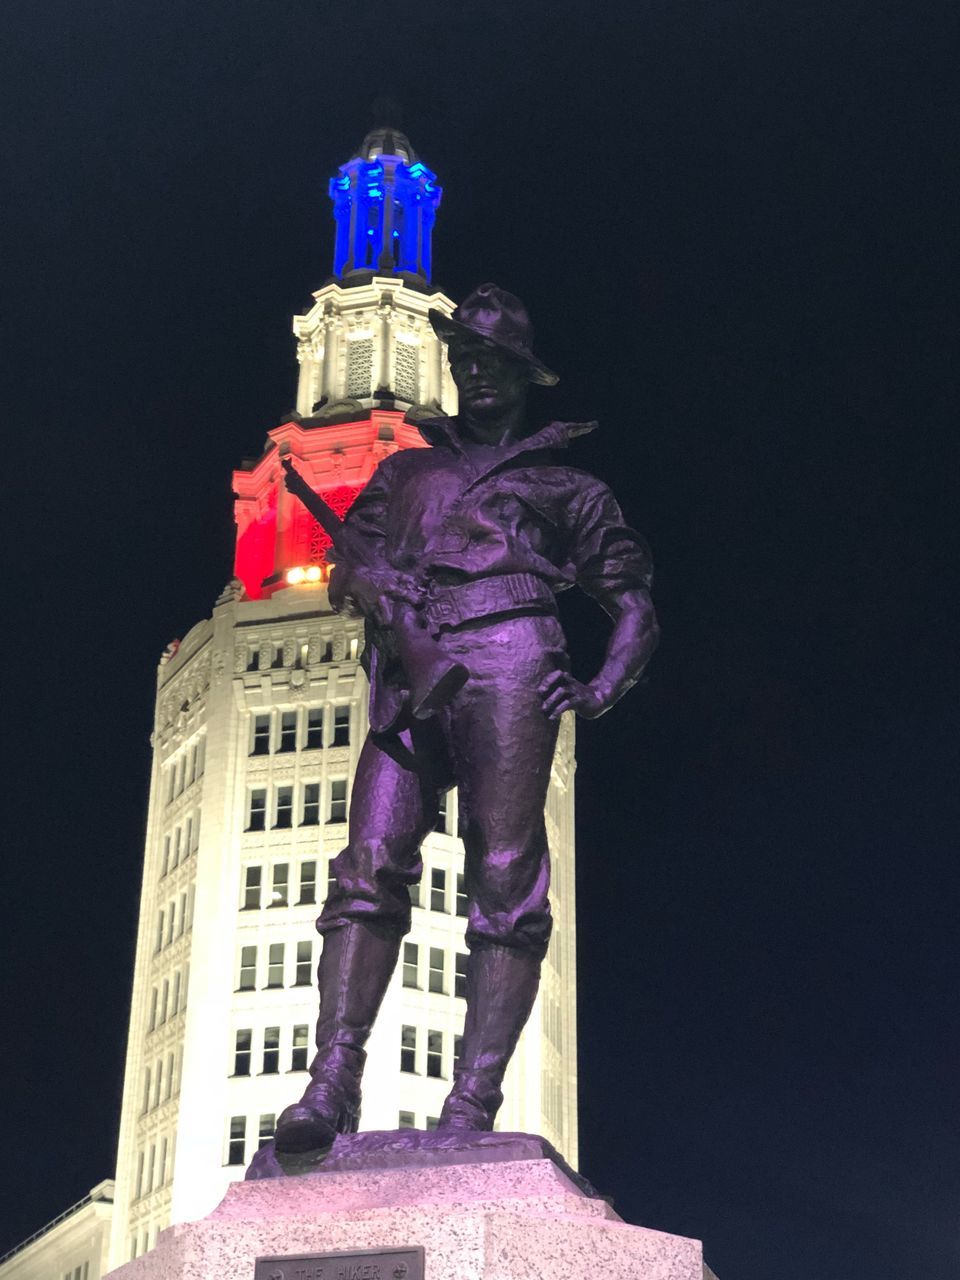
(362, 1264)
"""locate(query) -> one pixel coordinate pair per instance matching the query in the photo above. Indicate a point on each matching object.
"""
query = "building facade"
(260, 714)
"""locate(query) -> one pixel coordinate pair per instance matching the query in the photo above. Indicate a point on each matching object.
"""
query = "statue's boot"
(355, 967)
(502, 985)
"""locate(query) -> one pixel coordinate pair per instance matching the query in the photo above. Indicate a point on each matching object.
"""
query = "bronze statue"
(454, 555)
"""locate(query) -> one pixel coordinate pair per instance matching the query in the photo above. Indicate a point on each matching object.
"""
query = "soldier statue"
(454, 555)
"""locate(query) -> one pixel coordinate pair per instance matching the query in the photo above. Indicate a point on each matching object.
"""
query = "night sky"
(733, 224)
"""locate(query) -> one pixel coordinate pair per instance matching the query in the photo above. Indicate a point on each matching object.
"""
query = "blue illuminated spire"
(384, 205)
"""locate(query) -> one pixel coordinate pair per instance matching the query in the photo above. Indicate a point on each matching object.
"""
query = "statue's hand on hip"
(562, 692)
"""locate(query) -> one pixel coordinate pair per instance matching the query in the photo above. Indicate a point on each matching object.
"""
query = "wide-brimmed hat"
(499, 318)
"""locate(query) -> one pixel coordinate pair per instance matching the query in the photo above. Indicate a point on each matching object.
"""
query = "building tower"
(260, 715)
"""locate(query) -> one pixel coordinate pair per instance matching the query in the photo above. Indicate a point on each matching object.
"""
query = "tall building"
(260, 715)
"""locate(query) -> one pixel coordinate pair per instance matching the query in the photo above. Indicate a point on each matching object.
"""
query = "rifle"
(432, 677)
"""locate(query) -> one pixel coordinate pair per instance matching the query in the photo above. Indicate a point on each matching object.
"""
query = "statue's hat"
(499, 318)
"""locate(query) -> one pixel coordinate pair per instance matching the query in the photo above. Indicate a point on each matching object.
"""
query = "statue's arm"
(614, 566)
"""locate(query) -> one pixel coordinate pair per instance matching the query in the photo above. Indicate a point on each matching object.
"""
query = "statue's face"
(489, 380)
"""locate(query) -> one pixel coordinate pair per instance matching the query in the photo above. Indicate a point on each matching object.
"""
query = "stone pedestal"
(501, 1208)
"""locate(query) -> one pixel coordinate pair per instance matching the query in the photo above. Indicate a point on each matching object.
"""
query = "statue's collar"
(557, 435)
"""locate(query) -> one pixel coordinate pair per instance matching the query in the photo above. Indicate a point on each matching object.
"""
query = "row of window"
(280, 807)
(168, 998)
(436, 970)
(278, 895)
(160, 1082)
(174, 919)
(281, 732)
(180, 843)
(78, 1273)
(276, 966)
(269, 1051)
(266, 1127)
(274, 655)
(237, 1137)
(410, 1046)
(185, 768)
(154, 1167)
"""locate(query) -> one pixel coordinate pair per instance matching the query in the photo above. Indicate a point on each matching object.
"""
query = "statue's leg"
(503, 746)
(393, 806)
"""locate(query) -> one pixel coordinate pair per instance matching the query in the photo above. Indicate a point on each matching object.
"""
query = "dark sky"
(733, 222)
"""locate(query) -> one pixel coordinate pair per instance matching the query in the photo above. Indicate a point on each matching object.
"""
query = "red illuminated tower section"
(279, 544)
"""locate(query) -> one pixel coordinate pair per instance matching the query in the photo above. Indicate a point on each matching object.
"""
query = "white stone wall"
(355, 340)
(74, 1246)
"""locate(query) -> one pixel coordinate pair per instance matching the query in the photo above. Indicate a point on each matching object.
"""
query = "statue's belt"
(449, 606)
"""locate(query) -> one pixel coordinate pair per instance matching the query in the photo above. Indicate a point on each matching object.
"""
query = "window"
(303, 650)
(268, 1122)
(441, 822)
(271, 1051)
(435, 1054)
(298, 1057)
(341, 727)
(177, 840)
(415, 894)
(169, 1090)
(165, 864)
(188, 841)
(288, 731)
(261, 736)
(253, 658)
(145, 1105)
(463, 905)
(304, 976)
(457, 1049)
(433, 1122)
(411, 956)
(182, 917)
(159, 944)
(407, 1120)
(331, 879)
(248, 969)
(408, 1049)
(242, 1050)
(460, 975)
(284, 808)
(193, 763)
(338, 800)
(201, 755)
(280, 888)
(436, 970)
(158, 1084)
(257, 816)
(195, 844)
(171, 921)
(236, 1150)
(175, 1007)
(438, 890)
(165, 1000)
(153, 1010)
(277, 662)
(252, 881)
(139, 1175)
(314, 728)
(162, 1171)
(311, 805)
(308, 882)
(275, 965)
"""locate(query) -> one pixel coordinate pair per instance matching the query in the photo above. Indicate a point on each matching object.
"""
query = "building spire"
(384, 204)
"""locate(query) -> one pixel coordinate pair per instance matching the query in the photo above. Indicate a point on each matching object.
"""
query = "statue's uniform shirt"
(491, 510)
(452, 513)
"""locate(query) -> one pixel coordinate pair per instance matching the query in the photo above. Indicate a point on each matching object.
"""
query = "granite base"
(494, 1218)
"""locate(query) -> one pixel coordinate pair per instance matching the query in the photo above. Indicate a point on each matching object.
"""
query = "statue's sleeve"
(607, 556)
(366, 523)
